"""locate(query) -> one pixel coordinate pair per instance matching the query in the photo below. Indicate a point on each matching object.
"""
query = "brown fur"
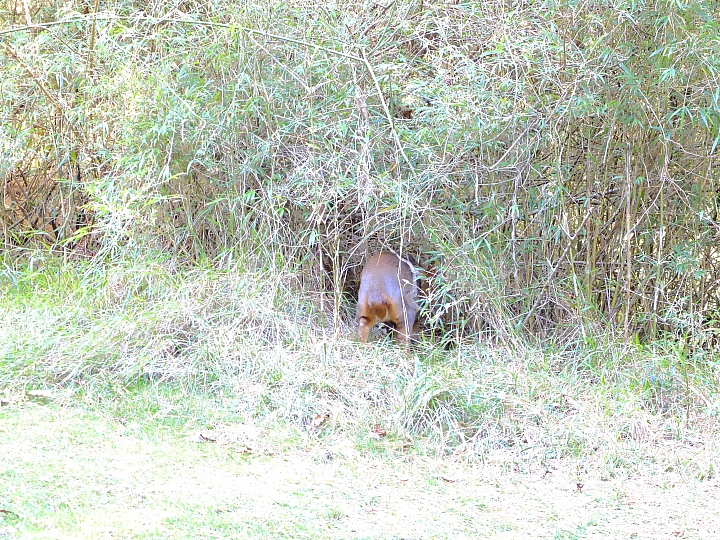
(387, 294)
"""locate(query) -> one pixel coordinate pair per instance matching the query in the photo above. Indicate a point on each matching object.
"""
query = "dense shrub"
(555, 160)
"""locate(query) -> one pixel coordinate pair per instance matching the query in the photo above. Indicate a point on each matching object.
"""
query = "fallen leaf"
(320, 419)
(202, 437)
(404, 112)
(42, 394)
(573, 403)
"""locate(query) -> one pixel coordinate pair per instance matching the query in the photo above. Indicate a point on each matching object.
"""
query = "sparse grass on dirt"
(79, 472)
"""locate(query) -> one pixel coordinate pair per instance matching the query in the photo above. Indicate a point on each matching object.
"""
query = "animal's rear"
(387, 294)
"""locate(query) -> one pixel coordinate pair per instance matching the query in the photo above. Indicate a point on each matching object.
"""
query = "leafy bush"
(555, 160)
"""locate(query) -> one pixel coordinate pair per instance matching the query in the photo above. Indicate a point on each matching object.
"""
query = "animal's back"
(387, 294)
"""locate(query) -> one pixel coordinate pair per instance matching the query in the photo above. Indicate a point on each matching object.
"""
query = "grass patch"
(198, 406)
(209, 181)
(81, 471)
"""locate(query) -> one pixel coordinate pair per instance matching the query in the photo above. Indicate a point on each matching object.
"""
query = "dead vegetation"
(557, 166)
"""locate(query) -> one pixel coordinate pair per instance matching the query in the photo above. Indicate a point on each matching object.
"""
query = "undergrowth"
(554, 162)
(102, 335)
(188, 195)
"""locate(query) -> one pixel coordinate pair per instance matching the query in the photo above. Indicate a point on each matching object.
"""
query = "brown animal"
(388, 291)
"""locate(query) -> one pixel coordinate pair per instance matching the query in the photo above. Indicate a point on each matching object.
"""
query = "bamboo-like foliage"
(555, 161)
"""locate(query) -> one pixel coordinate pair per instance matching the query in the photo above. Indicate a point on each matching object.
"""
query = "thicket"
(555, 161)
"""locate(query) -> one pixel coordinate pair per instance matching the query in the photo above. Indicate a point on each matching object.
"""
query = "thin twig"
(160, 20)
(555, 268)
(386, 110)
(32, 75)
(628, 243)
(92, 38)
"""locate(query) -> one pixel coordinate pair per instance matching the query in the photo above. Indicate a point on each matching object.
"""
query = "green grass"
(198, 406)
(74, 471)
(188, 196)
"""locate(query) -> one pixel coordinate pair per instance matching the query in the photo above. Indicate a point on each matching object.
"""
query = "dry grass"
(247, 339)
(142, 402)
(557, 162)
(209, 181)
(73, 473)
